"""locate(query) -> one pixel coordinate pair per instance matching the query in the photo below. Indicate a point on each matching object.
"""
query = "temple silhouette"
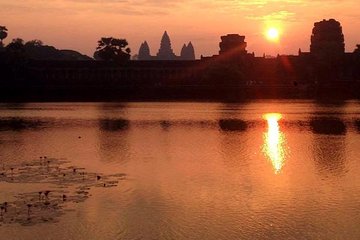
(326, 71)
(165, 52)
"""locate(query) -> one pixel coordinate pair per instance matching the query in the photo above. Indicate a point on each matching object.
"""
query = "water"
(190, 172)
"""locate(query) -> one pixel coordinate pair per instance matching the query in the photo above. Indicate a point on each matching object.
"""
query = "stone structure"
(166, 52)
(232, 49)
(233, 71)
(233, 44)
(327, 38)
(328, 50)
(187, 52)
(144, 51)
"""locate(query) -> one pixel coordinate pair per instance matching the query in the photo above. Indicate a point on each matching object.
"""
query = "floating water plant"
(68, 186)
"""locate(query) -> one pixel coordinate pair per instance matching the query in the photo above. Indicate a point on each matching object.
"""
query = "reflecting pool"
(257, 170)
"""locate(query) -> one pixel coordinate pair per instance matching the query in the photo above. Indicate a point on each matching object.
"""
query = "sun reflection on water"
(274, 141)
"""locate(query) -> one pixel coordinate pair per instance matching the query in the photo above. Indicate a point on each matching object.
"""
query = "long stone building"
(232, 73)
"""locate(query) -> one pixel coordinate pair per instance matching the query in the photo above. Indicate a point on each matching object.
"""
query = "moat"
(257, 170)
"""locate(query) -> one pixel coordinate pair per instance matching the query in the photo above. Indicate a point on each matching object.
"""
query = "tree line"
(108, 49)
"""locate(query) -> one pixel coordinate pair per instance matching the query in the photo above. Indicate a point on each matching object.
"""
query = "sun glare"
(273, 34)
(274, 141)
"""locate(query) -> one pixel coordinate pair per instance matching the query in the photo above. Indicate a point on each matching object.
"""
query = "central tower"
(165, 51)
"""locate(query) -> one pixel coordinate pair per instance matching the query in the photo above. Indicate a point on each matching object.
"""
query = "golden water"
(280, 178)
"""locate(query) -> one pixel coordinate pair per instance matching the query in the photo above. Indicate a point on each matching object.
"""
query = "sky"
(79, 24)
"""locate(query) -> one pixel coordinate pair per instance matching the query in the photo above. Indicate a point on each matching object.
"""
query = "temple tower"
(165, 51)
(328, 50)
(187, 52)
(144, 51)
(233, 44)
(327, 38)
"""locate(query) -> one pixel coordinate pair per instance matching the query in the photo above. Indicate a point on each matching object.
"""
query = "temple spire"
(144, 51)
(165, 51)
(187, 52)
(183, 52)
(190, 51)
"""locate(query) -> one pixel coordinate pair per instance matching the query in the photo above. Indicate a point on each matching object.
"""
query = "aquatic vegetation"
(68, 185)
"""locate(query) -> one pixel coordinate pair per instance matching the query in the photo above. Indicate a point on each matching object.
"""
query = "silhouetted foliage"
(36, 50)
(327, 125)
(16, 44)
(3, 35)
(16, 51)
(112, 49)
(73, 55)
(114, 124)
(232, 125)
(34, 43)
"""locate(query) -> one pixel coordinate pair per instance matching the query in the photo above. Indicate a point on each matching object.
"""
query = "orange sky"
(78, 24)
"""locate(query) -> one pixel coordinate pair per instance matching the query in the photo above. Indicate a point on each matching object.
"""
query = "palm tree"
(3, 34)
(112, 49)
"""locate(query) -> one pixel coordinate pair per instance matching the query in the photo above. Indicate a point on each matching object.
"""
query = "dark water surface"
(194, 170)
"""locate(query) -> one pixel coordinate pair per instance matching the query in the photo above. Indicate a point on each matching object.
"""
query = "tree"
(16, 45)
(15, 56)
(112, 49)
(16, 52)
(3, 34)
(34, 43)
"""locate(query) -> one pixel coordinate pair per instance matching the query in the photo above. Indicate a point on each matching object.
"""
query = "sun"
(273, 34)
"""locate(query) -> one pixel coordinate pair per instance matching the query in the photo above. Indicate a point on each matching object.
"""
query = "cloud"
(28, 7)
(128, 7)
(248, 9)
(120, 7)
(275, 16)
